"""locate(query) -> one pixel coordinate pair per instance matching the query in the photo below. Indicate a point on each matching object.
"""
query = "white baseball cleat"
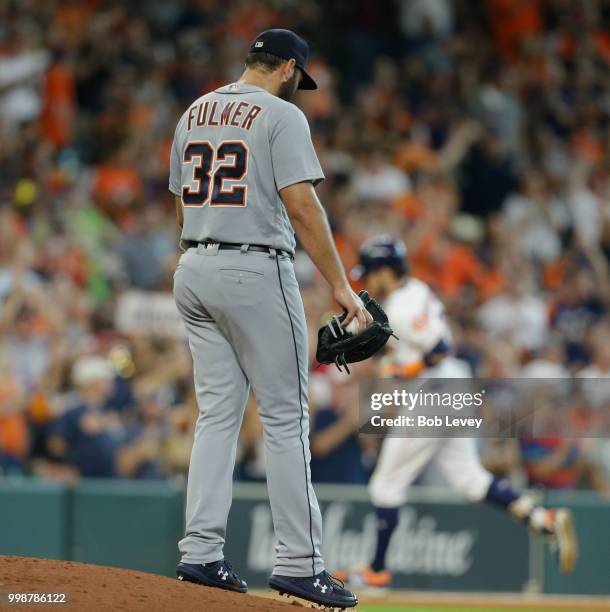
(567, 542)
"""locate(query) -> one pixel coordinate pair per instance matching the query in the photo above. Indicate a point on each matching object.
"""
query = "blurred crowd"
(478, 132)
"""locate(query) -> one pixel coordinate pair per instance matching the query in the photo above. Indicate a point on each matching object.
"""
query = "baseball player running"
(243, 170)
(424, 349)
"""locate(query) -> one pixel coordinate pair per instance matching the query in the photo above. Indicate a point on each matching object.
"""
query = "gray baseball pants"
(246, 326)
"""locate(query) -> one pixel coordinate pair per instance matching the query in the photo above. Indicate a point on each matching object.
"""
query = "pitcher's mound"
(93, 588)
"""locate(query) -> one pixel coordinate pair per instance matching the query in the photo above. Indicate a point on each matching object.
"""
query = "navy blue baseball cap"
(287, 45)
(381, 252)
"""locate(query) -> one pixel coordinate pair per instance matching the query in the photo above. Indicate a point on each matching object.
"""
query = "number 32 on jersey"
(211, 168)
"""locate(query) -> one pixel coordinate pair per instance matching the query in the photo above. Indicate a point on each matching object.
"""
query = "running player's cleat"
(367, 577)
(567, 542)
(218, 574)
(321, 589)
(557, 525)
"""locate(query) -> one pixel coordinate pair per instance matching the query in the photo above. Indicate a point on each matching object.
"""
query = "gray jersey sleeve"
(293, 156)
(175, 166)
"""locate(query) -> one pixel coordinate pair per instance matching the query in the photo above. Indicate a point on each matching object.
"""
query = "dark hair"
(266, 61)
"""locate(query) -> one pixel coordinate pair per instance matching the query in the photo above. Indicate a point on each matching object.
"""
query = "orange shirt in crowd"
(588, 146)
(39, 408)
(491, 282)
(57, 119)
(512, 21)
(602, 42)
(447, 271)
(13, 425)
(71, 18)
(13, 435)
(118, 184)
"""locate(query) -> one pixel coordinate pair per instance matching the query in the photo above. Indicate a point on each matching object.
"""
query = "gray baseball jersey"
(234, 149)
(227, 147)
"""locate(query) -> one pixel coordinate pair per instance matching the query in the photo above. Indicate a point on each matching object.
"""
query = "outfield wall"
(441, 543)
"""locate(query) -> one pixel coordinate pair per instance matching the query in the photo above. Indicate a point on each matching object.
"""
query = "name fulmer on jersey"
(236, 114)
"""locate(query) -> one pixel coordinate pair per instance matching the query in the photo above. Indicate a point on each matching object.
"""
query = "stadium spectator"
(86, 436)
(336, 454)
(14, 438)
(518, 313)
(552, 462)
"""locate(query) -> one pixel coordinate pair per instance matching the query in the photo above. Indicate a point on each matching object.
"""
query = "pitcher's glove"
(338, 346)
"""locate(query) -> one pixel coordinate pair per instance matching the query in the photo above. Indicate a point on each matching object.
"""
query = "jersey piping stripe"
(296, 354)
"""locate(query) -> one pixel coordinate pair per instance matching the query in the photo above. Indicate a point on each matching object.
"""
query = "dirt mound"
(93, 588)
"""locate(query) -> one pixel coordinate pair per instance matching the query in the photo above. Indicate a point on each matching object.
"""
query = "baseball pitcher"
(243, 172)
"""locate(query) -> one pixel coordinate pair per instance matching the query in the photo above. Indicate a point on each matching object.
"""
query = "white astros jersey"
(233, 150)
(418, 318)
